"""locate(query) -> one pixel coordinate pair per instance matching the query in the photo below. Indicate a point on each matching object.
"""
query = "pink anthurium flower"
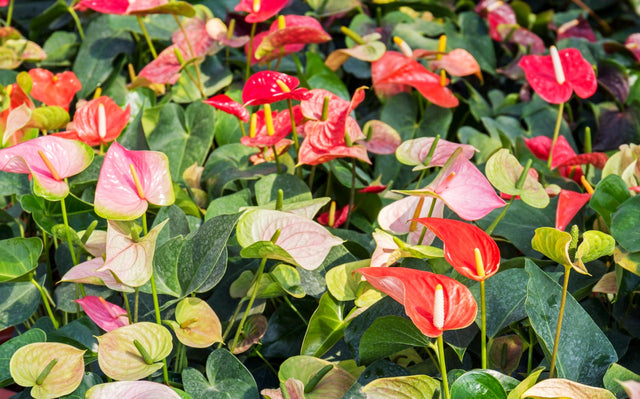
(381, 138)
(569, 203)
(260, 10)
(416, 151)
(383, 255)
(633, 44)
(267, 87)
(394, 72)
(432, 312)
(225, 104)
(126, 7)
(281, 128)
(578, 27)
(218, 31)
(471, 251)
(131, 389)
(289, 30)
(91, 272)
(130, 259)
(53, 89)
(105, 314)
(503, 25)
(457, 62)
(49, 160)
(555, 79)
(14, 118)
(332, 135)
(396, 217)
(129, 180)
(98, 121)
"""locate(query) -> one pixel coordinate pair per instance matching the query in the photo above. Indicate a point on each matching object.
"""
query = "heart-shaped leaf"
(253, 330)
(503, 171)
(554, 244)
(18, 257)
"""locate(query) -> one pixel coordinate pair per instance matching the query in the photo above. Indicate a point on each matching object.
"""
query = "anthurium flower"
(218, 31)
(433, 312)
(267, 87)
(225, 104)
(471, 251)
(503, 25)
(385, 250)
(260, 10)
(395, 72)
(457, 62)
(633, 44)
(128, 258)
(288, 30)
(133, 352)
(14, 119)
(396, 217)
(52, 369)
(53, 89)
(98, 121)
(131, 389)
(16, 49)
(87, 273)
(281, 128)
(49, 160)
(415, 152)
(129, 180)
(463, 188)
(569, 203)
(381, 138)
(371, 49)
(340, 216)
(578, 27)
(301, 241)
(555, 81)
(106, 315)
(326, 135)
(136, 7)
(196, 324)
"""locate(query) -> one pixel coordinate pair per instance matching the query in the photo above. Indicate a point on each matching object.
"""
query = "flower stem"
(443, 367)
(46, 299)
(556, 341)
(352, 193)
(74, 15)
(191, 55)
(556, 131)
(10, 13)
(275, 155)
(65, 220)
(250, 52)
(154, 53)
(519, 185)
(255, 285)
(483, 325)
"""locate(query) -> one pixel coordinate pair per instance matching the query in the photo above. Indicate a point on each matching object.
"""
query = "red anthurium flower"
(394, 72)
(326, 135)
(98, 121)
(281, 128)
(267, 87)
(4, 3)
(105, 314)
(224, 103)
(470, 250)
(431, 311)
(129, 180)
(569, 203)
(49, 160)
(375, 189)
(503, 25)
(340, 216)
(286, 31)
(126, 7)
(555, 81)
(260, 10)
(53, 89)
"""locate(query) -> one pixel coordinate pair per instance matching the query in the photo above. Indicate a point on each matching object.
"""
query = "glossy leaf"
(388, 335)
(623, 220)
(610, 192)
(342, 282)
(19, 257)
(477, 384)
(326, 327)
(527, 383)
(120, 359)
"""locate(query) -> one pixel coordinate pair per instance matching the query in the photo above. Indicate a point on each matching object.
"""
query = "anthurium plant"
(319, 199)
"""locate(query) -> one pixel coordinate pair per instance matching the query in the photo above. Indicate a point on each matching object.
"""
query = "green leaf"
(18, 301)
(478, 385)
(554, 244)
(584, 352)
(60, 48)
(195, 263)
(8, 348)
(215, 76)
(388, 335)
(614, 375)
(342, 282)
(294, 189)
(412, 386)
(227, 378)
(527, 383)
(94, 63)
(326, 327)
(503, 171)
(184, 136)
(608, 195)
(18, 257)
(48, 118)
(624, 224)
(228, 204)
(320, 76)
(176, 8)
(594, 245)
(473, 37)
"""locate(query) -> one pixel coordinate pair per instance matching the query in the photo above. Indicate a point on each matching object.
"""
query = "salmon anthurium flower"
(267, 87)
(569, 203)
(15, 117)
(434, 303)
(289, 30)
(556, 77)
(470, 250)
(106, 315)
(225, 104)
(53, 89)
(260, 10)
(129, 180)
(49, 160)
(98, 121)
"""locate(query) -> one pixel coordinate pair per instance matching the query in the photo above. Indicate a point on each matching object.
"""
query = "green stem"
(231, 322)
(556, 131)
(46, 299)
(192, 55)
(154, 53)
(250, 52)
(66, 225)
(556, 341)
(424, 229)
(352, 193)
(10, 13)
(136, 300)
(483, 325)
(443, 367)
(75, 19)
(275, 155)
(255, 286)
(530, 352)
(295, 310)
(127, 307)
(294, 132)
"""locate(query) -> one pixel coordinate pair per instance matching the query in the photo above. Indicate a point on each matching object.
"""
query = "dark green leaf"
(478, 385)
(608, 195)
(388, 335)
